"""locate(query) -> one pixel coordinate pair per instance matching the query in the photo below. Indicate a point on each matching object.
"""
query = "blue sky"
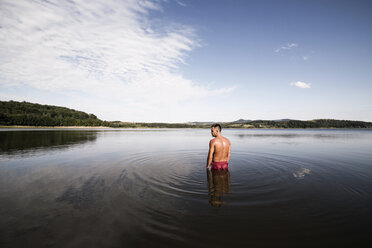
(179, 61)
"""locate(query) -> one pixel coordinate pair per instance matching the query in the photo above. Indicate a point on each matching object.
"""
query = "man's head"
(216, 129)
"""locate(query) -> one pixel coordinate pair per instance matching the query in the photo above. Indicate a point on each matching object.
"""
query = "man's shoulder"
(218, 140)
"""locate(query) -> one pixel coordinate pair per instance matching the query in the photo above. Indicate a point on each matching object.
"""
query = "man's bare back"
(219, 149)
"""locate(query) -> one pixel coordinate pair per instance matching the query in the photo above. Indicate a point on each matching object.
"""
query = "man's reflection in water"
(219, 185)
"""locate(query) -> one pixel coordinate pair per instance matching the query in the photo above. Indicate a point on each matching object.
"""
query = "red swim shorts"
(224, 165)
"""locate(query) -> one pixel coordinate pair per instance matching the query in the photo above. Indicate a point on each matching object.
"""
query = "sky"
(190, 60)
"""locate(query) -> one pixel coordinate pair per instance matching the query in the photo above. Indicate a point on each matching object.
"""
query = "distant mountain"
(200, 123)
(285, 120)
(247, 121)
(241, 121)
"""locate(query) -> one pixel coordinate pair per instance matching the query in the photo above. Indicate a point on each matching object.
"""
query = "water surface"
(145, 188)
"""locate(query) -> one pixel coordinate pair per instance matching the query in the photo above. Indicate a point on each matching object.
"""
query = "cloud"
(300, 174)
(97, 50)
(301, 85)
(181, 3)
(289, 46)
(305, 57)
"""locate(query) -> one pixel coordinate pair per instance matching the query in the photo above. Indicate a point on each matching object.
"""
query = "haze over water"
(145, 188)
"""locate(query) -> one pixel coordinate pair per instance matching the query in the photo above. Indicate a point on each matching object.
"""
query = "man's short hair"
(218, 126)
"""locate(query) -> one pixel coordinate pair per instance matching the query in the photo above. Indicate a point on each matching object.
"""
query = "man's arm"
(210, 153)
(229, 154)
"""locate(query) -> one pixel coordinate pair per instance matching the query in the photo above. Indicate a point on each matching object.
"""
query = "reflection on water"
(219, 185)
(23, 142)
(300, 174)
(141, 188)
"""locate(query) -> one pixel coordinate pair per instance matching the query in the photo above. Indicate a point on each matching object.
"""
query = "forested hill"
(14, 113)
(32, 114)
(287, 123)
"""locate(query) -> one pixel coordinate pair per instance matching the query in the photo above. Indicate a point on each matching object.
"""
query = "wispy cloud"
(301, 85)
(305, 58)
(108, 50)
(181, 3)
(288, 46)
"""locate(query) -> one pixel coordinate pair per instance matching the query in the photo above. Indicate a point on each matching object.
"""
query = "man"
(219, 150)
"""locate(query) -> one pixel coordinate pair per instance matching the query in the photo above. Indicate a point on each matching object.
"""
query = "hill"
(33, 114)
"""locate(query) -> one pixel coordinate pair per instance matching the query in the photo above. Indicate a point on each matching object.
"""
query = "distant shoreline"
(32, 115)
(191, 127)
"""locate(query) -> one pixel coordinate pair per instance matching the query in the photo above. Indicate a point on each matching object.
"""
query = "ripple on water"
(170, 186)
(166, 185)
(173, 174)
(168, 196)
(263, 179)
(165, 198)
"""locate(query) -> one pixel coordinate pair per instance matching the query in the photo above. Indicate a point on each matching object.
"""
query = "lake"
(150, 188)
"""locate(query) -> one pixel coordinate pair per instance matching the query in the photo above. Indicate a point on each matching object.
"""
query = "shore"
(190, 127)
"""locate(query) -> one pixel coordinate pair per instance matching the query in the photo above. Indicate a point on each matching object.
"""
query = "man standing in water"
(219, 150)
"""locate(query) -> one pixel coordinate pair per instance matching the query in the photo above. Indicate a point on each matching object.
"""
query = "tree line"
(14, 113)
(319, 123)
(33, 114)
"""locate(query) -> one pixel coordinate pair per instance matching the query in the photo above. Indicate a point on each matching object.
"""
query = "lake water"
(150, 188)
